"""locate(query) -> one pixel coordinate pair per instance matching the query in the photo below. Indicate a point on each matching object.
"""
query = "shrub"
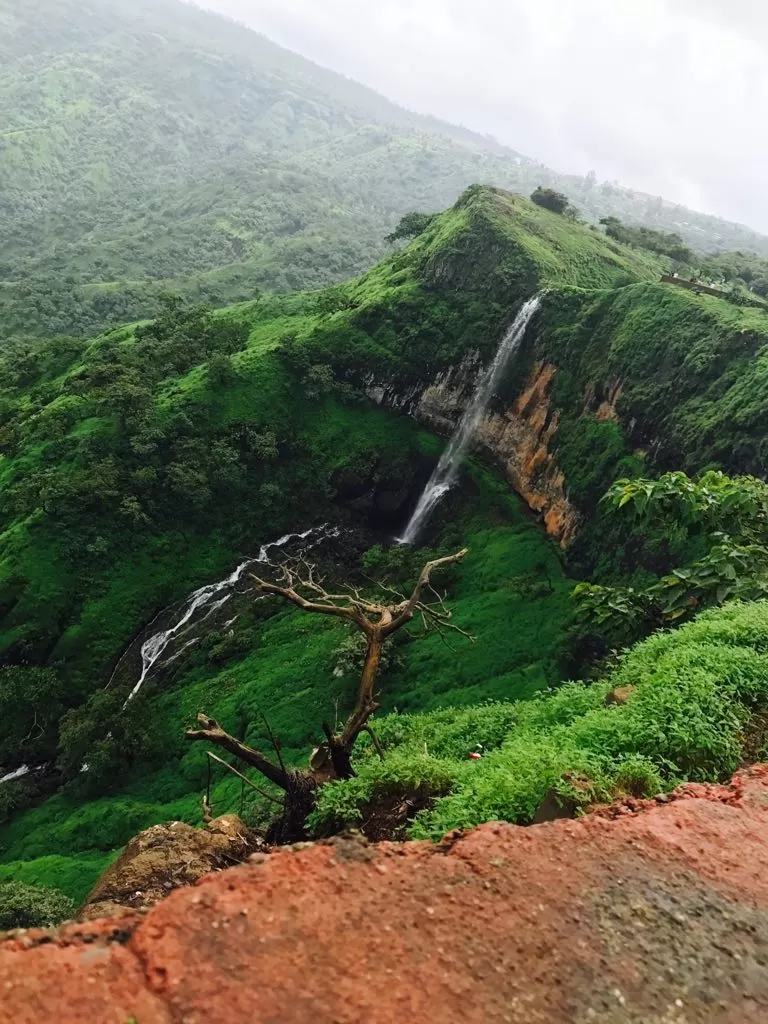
(695, 693)
(30, 906)
(549, 199)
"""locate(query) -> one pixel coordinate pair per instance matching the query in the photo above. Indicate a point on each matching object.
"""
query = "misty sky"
(667, 96)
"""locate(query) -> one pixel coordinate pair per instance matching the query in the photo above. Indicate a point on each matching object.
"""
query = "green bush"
(696, 693)
(30, 906)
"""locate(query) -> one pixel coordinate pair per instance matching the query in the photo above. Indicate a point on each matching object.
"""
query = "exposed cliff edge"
(517, 437)
(656, 912)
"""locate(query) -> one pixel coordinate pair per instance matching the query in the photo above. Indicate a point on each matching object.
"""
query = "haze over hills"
(150, 145)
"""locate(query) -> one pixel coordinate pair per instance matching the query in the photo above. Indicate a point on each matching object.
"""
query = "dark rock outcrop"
(166, 857)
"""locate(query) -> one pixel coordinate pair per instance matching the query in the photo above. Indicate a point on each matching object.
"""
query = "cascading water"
(204, 602)
(447, 470)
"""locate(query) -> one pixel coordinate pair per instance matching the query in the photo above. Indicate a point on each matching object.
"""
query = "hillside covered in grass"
(149, 460)
(152, 459)
(148, 145)
(146, 458)
(694, 711)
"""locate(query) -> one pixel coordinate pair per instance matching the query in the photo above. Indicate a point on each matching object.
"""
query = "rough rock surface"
(165, 857)
(654, 913)
(518, 438)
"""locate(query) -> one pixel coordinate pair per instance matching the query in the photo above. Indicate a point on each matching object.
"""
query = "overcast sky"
(667, 96)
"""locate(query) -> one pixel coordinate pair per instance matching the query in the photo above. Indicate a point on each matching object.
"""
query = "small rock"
(619, 695)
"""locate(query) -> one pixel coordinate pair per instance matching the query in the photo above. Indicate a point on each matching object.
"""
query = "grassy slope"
(695, 713)
(154, 568)
(406, 317)
(693, 382)
(151, 143)
(453, 289)
(289, 672)
(143, 571)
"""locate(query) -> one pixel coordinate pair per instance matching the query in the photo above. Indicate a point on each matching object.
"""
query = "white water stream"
(447, 470)
(207, 600)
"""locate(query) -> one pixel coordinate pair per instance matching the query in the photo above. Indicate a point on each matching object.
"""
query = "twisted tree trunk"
(332, 760)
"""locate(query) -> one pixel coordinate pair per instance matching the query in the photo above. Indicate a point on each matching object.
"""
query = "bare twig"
(211, 732)
(275, 742)
(247, 781)
(376, 742)
(207, 811)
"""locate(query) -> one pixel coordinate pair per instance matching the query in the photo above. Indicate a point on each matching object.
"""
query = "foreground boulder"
(656, 912)
(166, 857)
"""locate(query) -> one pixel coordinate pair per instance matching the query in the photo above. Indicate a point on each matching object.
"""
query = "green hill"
(151, 459)
(153, 145)
(113, 448)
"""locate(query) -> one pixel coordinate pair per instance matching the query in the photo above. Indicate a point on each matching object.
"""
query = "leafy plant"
(725, 518)
(695, 694)
(549, 199)
(30, 906)
(411, 225)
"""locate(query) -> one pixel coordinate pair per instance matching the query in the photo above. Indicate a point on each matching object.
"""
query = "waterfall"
(447, 470)
(204, 602)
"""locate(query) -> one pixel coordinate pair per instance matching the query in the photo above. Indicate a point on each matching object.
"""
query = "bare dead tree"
(299, 584)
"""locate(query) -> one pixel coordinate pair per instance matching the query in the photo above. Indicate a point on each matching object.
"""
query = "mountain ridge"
(158, 162)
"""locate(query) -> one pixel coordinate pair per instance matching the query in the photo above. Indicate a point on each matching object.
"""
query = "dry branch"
(211, 732)
(300, 585)
(246, 780)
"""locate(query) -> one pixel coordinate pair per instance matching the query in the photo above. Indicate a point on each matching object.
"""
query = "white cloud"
(668, 96)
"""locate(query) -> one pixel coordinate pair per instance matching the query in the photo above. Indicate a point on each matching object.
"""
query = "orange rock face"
(657, 913)
(520, 438)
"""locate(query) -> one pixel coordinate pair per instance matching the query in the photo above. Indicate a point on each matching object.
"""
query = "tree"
(666, 243)
(31, 703)
(377, 620)
(411, 225)
(220, 370)
(557, 202)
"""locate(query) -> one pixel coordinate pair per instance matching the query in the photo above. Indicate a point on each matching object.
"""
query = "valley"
(147, 462)
(273, 346)
(148, 146)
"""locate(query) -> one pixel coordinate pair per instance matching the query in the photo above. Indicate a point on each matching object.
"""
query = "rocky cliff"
(517, 436)
(654, 913)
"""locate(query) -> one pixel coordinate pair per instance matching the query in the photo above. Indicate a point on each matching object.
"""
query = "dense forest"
(147, 146)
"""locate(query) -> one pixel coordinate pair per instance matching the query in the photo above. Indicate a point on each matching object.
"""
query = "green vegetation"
(132, 469)
(663, 242)
(557, 202)
(146, 461)
(685, 375)
(149, 145)
(133, 473)
(511, 593)
(29, 906)
(696, 712)
(723, 521)
(411, 225)
(744, 269)
(693, 544)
